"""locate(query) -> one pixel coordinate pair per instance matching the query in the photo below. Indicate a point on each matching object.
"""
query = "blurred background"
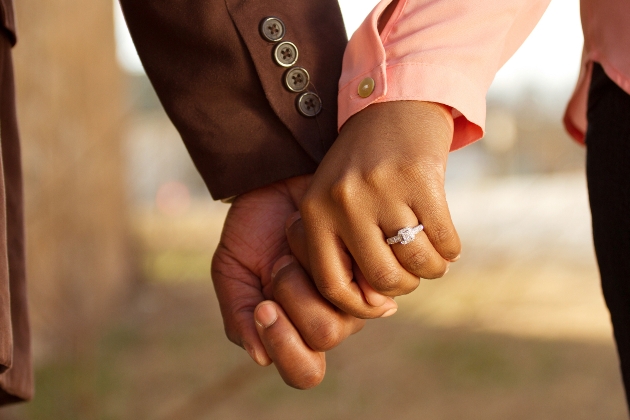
(121, 231)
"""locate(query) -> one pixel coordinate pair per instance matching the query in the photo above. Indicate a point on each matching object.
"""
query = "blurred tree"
(70, 108)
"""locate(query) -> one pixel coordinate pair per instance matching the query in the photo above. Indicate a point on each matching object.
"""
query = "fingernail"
(448, 267)
(280, 264)
(266, 315)
(389, 313)
(456, 258)
(391, 304)
(292, 219)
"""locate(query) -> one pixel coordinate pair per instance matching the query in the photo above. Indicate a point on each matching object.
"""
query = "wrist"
(431, 118)
(423, 127)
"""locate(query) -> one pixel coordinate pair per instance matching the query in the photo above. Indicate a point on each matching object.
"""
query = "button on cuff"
(296, 79)
(366, 87)
(285, 54)
(272, 29)
(309, 104)
(349, 100)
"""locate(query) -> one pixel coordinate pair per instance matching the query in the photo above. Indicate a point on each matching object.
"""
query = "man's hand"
(299, 324)
(385, 172)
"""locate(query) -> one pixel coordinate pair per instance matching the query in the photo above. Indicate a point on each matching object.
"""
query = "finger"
(331, 268)
(418, 257)
(373, 297)
(378, 263)
(320, 324)
(296, 237)
(300, 366)
(238, 294)
(432, 209)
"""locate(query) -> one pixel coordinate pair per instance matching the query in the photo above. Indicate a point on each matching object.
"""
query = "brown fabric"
(16, 381)
(8, 19)
(217, 80)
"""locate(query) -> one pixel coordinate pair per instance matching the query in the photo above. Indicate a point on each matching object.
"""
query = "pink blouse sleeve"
(444, 51)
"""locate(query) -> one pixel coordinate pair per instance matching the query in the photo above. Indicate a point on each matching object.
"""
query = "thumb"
(299, 365)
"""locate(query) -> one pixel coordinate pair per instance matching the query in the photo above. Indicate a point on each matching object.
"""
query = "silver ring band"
(405, 235)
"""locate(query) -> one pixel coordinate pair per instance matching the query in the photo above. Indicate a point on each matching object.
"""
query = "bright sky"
(548, 61)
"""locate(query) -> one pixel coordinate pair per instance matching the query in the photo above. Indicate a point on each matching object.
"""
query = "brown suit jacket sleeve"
(217, 80)
(7, 19)
(16, 376)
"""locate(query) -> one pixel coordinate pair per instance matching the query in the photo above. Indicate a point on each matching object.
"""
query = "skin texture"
(385, 171)
(253, 239)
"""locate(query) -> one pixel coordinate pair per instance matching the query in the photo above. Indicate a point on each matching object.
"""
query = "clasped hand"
(291, 287)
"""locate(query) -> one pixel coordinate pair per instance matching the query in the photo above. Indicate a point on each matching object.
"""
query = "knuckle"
(379, 176)
(445, 238)
(453, 251)
(339, 297)
(442, 234)
(331, 293)
(425, 265)
(417, 261)
(434, 272)
(343, 191)
(385, 280)
(326, 335)
(447, 242)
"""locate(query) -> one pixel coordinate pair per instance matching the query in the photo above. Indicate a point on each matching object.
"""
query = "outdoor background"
(121, 231)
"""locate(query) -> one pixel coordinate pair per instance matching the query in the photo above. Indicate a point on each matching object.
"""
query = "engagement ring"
(405, 235)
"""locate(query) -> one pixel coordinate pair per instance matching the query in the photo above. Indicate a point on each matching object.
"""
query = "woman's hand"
(385, 172)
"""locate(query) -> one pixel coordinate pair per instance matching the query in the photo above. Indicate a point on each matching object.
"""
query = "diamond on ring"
(405, 235)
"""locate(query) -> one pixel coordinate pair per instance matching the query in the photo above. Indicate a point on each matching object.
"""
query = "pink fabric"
(606, 26)
(448, 51)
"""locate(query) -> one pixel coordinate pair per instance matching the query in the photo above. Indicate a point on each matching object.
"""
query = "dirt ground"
(516, 330)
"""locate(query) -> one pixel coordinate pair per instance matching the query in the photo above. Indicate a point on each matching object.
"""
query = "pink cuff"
(444, 51)
(407, 81)
(422, 82)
